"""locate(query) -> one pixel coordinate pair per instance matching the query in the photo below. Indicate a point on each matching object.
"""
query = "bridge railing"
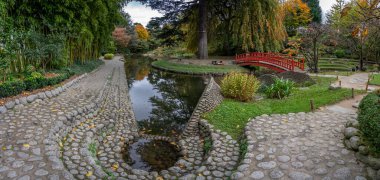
(277, 59)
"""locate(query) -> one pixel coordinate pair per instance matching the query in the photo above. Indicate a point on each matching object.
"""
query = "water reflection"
(162, 102)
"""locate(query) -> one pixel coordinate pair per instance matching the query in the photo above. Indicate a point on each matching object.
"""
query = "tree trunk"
(315, 56)
(361, 57)
(202, 41)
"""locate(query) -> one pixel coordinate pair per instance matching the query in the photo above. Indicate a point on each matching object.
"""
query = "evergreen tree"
(316, 10)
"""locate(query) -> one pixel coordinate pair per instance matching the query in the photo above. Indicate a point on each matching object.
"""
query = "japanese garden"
(190, 89)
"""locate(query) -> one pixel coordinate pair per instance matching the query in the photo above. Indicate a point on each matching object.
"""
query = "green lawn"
(231, 116)
(197, 69)
(375, 80)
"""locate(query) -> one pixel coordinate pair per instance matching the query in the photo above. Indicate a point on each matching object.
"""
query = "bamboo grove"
(55, 33)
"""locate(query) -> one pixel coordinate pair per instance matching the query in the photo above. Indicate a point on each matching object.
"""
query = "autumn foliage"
(142, 33)
(121, 37)
(297, 14)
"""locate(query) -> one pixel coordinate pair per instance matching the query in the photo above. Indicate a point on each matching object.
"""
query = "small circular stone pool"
(152, 155)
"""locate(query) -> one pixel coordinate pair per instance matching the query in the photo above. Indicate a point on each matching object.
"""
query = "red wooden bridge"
(275, 61)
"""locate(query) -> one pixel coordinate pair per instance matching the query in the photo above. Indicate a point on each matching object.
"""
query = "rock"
(363, 150)
(350, 131)
(41, 172)
(31, 98)
(283, 159)
(217, 174)
(374, 162)
(355, 142)
(3, 109)
(237, 175)
(48, 94)
(334, 87)
(342, 173)
(360, 178)
(371, 173)
(321, 171)
(299, 176)
(276, 174)
(10, 104)
(41, 95)
(355, 105)
(257, 175)
(23, 100)
(267, 165)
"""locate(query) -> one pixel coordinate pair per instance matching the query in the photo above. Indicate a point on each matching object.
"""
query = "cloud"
(140, 13)
(326, 5)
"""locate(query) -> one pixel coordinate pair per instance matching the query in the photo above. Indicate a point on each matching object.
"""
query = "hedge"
(369, 121)
(12, 88)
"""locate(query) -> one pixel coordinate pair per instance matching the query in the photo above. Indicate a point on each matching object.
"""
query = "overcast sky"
(141, 14)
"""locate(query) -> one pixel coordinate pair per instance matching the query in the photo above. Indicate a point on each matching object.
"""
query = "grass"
(197, 69)
(231, 116)
(337, 73)
(375, 80)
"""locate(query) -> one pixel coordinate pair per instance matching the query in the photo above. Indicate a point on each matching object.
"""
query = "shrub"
(11, 88)
(369, 122)
(279, 89)
(340, 53)
(33, 83)
(36, 75)
(108, 56)
(239, 86)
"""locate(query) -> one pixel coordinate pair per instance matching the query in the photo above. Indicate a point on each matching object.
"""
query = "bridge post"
(292, 68)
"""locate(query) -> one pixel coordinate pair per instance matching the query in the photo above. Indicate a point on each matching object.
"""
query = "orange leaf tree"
(297, 14)
(142, 33)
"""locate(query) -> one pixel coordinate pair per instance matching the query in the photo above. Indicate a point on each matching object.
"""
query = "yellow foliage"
(142, 33)
(239, 86)
(297, 13)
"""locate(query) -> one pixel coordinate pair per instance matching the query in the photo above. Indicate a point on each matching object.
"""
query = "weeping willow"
(247, 25)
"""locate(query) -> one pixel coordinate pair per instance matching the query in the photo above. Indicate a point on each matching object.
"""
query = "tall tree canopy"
(316, 10)
(233, 26)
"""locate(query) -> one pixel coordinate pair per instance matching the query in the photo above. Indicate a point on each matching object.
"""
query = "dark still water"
(163, 103)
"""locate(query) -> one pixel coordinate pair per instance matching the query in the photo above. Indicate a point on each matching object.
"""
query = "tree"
(142, 33)
(297, 14)
(316, 10)
(121, 38)
(202, 43)
(311, 37)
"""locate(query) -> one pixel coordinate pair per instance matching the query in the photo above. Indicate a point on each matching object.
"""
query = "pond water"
(163, 103)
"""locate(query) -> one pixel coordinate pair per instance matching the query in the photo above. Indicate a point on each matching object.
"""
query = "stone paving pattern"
(82, 132)
(299, 146)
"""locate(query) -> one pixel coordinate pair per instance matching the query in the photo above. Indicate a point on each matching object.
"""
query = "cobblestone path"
(300, 146)
(29, 136)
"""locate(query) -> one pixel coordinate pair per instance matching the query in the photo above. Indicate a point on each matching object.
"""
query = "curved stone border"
(353, 142)
(20, 102)
(187, 73)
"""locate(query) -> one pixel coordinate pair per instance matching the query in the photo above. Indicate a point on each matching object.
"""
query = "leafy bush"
(33, 83)
(279, 89)
(369, 122)
(11, 88)
(340, 53)
(239, 86)
(36, 75)
(108, 56)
